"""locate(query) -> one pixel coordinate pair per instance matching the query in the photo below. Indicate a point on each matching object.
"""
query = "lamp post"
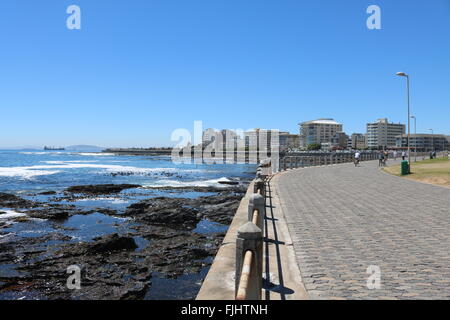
(415, 135)
(402, 74)
(432, 139)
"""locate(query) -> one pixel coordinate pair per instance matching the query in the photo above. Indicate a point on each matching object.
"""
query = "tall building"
(262, 139)
(220, 139)
(318, 131)
(358, 141)
(288, 141)
(424, 142)
(382, 134)
(339, 140)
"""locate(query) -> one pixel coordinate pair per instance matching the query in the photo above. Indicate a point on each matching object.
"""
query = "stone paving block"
(343, 219)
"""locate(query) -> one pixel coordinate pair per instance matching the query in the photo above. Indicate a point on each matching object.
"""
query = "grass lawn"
(436, 171)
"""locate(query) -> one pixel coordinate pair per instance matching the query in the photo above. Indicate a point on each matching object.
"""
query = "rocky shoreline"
(159, 238)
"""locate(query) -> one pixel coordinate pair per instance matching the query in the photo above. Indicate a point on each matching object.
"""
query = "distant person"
(404, 155)
(357, 158)
(386, 157)
(380, 158)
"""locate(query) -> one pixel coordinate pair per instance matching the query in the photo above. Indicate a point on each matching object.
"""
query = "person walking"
(357, 158)
(380, 158)
(386, 156)
(403, 155)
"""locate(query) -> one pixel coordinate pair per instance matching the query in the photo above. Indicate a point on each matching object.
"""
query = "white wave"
(24, 172)
(41, 152)
(112, 200)
(180, 184)
(71, 161)
(55, 167)
(96, 154)
(10, 214)
(33, 153)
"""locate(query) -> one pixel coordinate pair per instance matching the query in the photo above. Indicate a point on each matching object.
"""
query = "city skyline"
(135, 73)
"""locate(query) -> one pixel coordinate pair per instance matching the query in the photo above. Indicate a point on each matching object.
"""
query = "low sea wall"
(219, 284)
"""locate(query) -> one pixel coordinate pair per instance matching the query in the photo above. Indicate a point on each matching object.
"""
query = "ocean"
(44, 176)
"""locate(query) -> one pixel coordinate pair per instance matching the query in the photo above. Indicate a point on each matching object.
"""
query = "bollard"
(257, 202)
(259, 184)
(259, 173)
(249, 239)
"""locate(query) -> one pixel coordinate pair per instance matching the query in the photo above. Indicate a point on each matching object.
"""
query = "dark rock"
(11, 201)
(242, 188)
(232, 183)
(101, 188)
(47, 193)
(53, 214)
(164, 211)
(135, 291)
(107, 211)
(111, 267)
(112, 242)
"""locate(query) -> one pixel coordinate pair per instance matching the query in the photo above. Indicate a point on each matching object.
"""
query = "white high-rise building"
(318, 131)
(382, 134)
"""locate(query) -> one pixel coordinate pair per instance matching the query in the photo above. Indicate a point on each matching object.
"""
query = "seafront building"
(320, 131)
(267, 140)
(382, 134)
(261, 139)
(423, 142)
(289, 141)
(358, 141)
(339, 141)
(225, 139)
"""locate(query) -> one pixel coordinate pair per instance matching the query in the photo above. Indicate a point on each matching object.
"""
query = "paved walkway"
(344, 219)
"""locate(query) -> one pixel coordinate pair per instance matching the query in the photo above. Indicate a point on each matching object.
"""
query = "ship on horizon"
(53, 149)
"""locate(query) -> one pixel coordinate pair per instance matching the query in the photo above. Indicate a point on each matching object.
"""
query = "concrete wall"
(219, 283)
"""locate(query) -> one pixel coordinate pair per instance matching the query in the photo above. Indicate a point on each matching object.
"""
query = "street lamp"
(432, 139)
(415, 134)
(402, 74)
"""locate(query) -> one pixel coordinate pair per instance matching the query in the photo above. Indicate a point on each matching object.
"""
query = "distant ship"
(53, 149)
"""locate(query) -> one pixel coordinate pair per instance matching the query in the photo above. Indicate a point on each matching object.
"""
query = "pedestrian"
(380, 158)
(403, 155)
(357, 157)
(386, 156)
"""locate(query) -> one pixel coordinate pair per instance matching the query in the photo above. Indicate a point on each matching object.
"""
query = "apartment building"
(382, 134)
(320, 131)
(423, 142)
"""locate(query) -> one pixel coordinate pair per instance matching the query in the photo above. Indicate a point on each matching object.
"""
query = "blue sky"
(137, 70)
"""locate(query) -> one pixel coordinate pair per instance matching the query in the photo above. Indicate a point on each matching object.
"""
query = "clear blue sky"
(139, 69)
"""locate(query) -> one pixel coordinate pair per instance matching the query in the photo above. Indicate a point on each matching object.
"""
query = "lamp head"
(401, 74)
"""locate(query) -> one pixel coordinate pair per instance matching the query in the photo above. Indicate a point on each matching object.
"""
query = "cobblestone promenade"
(344, 219)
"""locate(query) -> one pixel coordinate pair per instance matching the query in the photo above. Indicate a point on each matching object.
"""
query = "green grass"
(436, 171)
